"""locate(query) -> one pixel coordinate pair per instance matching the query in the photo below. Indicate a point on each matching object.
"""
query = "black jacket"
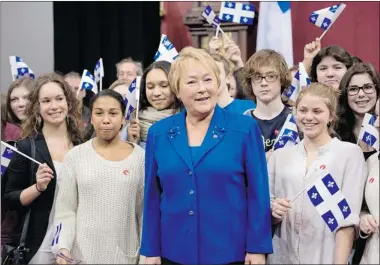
(18, 178)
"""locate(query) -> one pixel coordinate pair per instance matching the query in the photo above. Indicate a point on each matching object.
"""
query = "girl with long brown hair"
(52, 124)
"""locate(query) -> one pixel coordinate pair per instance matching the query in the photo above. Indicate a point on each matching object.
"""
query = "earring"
(39, 119)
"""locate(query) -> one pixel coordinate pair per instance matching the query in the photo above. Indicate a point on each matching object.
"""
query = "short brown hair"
(270, 58)
(337, 52)
(190, 53)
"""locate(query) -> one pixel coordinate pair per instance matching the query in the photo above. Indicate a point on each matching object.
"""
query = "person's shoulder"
(347, 146)
(240, 122)
(78, 151)
(167, 123)
(250, 104)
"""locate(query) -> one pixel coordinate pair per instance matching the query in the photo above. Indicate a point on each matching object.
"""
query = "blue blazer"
(214, 209)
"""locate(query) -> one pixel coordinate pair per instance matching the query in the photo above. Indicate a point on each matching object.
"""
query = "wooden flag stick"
(17, 151)
(298, 194)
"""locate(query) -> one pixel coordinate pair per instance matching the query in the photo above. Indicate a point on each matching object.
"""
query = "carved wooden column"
(201, 32)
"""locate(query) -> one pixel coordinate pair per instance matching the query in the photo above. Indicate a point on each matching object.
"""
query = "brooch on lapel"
(173, 132)
(218, 132)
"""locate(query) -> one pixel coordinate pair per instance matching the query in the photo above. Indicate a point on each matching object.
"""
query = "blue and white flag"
(300, 80)
(99, 70)
(275, 29)
(237, 12)
(368, 133)
(325, 17)
(288, 135)
(211, 17)
(166, 50)
(88, 82)
(6, 157)
(19, 68)
(328, 199)
(131, 99)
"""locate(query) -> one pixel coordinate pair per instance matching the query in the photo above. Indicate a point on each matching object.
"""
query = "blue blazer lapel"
(178, 138)
(214, 135)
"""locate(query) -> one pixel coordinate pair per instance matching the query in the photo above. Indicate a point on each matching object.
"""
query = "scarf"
(149, 116)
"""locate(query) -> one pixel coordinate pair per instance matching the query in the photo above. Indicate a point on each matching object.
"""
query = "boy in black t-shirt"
(266, 75)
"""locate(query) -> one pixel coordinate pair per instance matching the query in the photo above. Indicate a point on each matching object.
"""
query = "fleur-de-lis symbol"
(314, 195)
(331, 221)
(345, 208)
(331, 184)
(9, 151)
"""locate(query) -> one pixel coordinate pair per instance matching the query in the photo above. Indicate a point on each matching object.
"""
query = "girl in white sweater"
(99, 206)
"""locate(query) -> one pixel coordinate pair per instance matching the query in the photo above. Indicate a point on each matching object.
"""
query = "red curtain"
(357, 28)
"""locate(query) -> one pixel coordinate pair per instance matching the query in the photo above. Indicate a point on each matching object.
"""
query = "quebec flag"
(211, 17)
(300, 80)
(288, 135)
(368, 133)
(328, 200)
(132, 97)
(88, 82)
(323, 18)
(19, 68)
(99, 70)
(6, 157)
(166, 50)
(237, 12)
(275, 29)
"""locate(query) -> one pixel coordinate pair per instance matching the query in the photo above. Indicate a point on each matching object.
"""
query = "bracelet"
(40, 191)
(365, 234)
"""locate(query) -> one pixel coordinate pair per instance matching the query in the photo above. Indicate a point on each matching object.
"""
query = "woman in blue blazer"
(206, 188)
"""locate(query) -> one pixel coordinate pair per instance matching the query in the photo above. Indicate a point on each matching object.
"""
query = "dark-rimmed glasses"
(367, 89)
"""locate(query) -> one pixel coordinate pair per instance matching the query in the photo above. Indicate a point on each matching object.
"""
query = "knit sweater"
(99, 207)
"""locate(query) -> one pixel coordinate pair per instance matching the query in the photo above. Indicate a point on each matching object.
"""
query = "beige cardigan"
(371, 251)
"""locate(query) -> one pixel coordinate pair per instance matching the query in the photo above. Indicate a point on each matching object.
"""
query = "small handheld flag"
(88, 82)
(368, 133)
(166, 50)
(300, 80)
(211, 17)
(328, 200)
(237, 12)
(99, 72)
(19, 68)
(325, 17)
(7, 152)
(288, 135)
(6, 157)
(132, 97)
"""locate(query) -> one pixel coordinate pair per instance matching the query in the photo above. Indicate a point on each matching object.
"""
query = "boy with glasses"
(266, 75)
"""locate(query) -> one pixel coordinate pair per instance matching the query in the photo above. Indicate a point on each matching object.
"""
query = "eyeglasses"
(367, 89)
(269, 78)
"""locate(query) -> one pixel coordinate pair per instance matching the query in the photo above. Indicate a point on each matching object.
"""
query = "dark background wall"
(86, 31)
